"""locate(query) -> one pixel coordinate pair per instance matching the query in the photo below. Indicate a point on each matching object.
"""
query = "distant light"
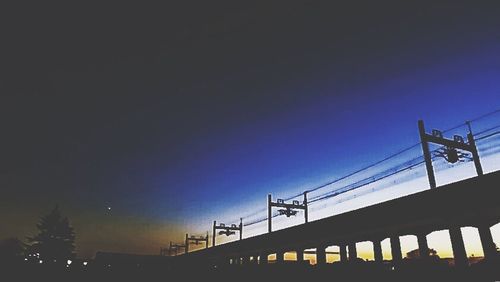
(69, 262)
(109, 208)
(40, 261)
(25, 259)
(55, 260)
(85, 263)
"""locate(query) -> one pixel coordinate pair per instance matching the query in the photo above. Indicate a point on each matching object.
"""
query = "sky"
(144, 123)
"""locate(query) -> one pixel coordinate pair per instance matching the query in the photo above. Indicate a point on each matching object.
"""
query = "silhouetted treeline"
(165, 269)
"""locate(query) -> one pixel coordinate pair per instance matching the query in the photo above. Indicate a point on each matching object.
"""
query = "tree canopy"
(11, 248)
(55, 239)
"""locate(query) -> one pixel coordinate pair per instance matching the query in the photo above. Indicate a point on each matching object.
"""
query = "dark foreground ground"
(360, 271)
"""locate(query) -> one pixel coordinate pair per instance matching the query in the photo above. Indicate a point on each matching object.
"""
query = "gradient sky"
(177, 115)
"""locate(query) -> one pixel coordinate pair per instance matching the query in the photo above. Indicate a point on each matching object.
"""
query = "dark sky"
(168, 113)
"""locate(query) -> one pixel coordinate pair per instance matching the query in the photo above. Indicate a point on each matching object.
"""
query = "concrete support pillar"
(321, 255)
(457, 244)
(396, 249)
(280, 256)
(300, 255)
(377, 251)
(487, 242)
(353, 252)
(236, 261)
(255, 259)
(263, 258)
(423, 247)
(343, 252)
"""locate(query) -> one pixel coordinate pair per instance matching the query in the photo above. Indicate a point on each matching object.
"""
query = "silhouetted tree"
(56, 238)
(11, 249)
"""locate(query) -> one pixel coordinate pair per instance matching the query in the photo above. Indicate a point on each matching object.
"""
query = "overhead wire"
(360, 183)
(357, 185)
(489, 135)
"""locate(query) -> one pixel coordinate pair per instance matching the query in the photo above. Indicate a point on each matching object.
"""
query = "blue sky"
(326, 139)
(176, 116)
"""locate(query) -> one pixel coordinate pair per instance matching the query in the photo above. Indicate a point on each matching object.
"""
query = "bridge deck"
(465, 203)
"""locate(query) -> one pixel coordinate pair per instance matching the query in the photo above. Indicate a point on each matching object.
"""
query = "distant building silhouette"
(120, 260)
(415, 254)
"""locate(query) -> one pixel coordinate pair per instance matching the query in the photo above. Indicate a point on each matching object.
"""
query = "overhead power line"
(377, 177)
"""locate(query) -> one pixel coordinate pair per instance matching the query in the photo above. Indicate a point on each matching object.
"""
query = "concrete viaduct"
(471, 202)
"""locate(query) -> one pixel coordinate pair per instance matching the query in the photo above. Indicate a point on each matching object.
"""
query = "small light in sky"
(85, 263)
(69, 262)
(40, 261)
(109, 208)
(25, 259)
